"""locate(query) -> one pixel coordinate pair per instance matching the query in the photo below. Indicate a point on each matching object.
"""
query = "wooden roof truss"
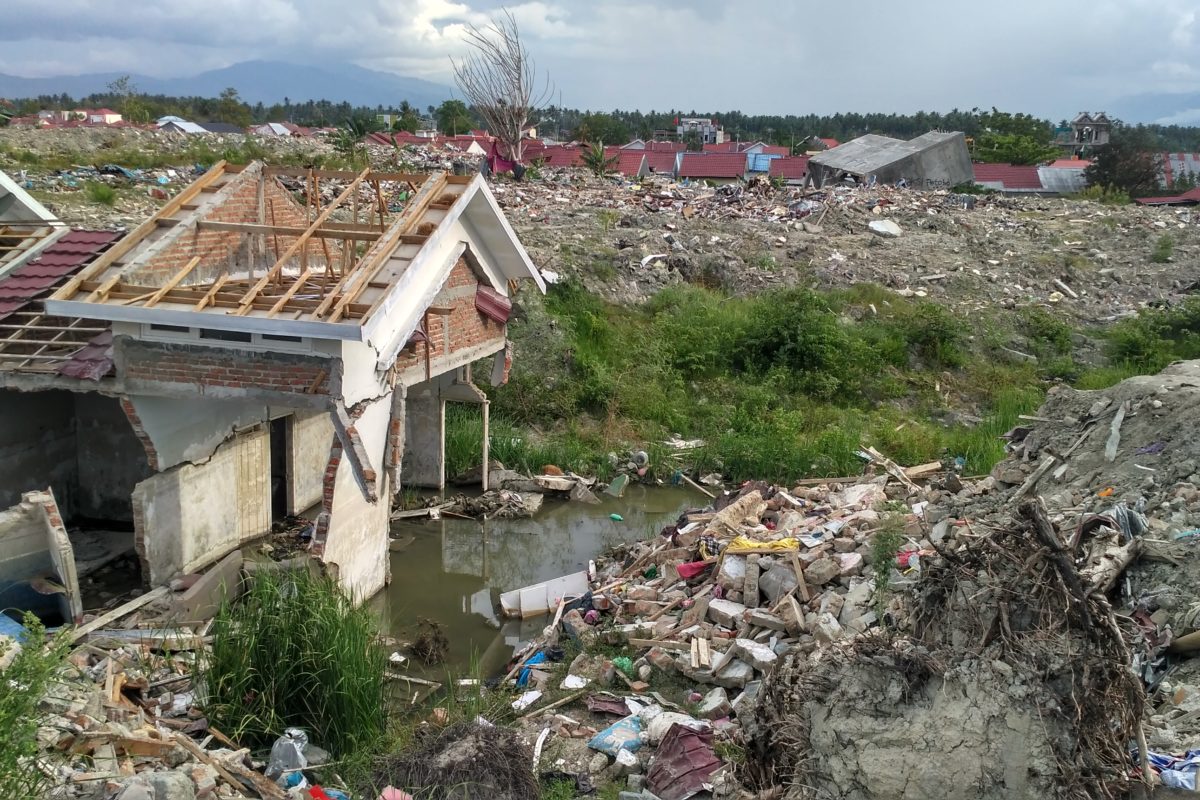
(356, 239)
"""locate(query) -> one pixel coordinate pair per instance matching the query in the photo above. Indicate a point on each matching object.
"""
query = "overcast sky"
(761, 56)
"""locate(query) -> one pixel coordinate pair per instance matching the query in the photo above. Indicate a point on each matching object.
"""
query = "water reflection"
(454, 570)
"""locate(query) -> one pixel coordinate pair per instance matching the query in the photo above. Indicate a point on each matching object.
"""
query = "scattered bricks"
(844, 545)
(850, 563)
(641, 608)
(833, 602)
(172, 786)
(714, 705)
(758, 655)
(204, 778)
(575, 627)
(750, 582)
(761, 618)
(822, 571)
(661, 659)
(642, 593)
(827, 630)
(732, 574)
(726, 613)
(793, 616)
(744, 702)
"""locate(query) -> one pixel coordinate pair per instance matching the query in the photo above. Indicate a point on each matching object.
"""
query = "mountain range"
(267, 82)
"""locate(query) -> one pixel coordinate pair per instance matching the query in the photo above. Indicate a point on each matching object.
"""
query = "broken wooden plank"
(118, 612)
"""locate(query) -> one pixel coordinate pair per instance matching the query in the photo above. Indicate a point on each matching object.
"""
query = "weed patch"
(22, 684)
(100, 193)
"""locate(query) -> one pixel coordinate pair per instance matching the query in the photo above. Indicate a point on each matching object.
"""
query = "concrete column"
(424, 462)
(486, 445)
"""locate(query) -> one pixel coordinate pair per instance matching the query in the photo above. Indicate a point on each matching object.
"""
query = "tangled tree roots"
(462, 762)
(431, 644)
(1015, 681)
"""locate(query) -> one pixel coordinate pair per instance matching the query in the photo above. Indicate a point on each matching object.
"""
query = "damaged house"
(241, 356)
(934, 160)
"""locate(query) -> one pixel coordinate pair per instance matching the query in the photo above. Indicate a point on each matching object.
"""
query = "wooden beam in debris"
(299, 242)
(134, 237)
(287, 230)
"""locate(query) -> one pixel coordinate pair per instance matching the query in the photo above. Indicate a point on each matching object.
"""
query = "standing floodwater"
(454, 570)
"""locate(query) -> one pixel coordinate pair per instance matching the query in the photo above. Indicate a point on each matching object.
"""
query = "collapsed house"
(240, 357)
(932, 161)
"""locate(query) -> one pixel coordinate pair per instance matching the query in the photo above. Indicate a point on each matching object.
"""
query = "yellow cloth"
(744, 544)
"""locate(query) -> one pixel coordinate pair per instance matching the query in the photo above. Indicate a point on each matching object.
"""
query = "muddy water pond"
(452, 571)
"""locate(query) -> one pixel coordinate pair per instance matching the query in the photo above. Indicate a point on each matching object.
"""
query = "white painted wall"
(360, 380)
(357, 540)
(195, 513)
(312, 436)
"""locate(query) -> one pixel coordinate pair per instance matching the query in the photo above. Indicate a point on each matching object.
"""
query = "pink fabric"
(391, 793)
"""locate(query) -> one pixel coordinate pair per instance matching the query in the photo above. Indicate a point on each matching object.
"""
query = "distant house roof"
(108, 112)
(221, 127)
(1176, 165)
(792, 168)
(279, 129)
(1008, 177)
(1188, 198)
(724, 147)
(712, 165)
(630, 163)
(1069, 163)
(172, 124)
(563, 155)
(828, 142)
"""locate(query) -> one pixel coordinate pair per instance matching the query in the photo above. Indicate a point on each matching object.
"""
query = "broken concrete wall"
(193, 513)
(190, 429)
(37, 445)
(424, 435)
(34, 545)
(353, 534)
(110, 460)
(311, 434)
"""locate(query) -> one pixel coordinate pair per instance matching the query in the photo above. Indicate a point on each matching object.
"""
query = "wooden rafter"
(176, 279)
(290, 293)
(288, 230)
(300, 241)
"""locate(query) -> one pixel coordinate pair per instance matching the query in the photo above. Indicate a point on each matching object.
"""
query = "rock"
(850, 563)
(626, 763)
(761, 618)
(777, 581)
(1008, 472)
(642, 608)
(645, 671)
(822, 571)
(598, 764)
(661, 659)
(732, 574)
(696, 614)
(726, 613)
(759, 655)
(172, 786)
(714, 705)
(827, 630)
(844, 545)
(642, 593)
(885, 228)
(735, 675)
(575, 627)
(744, 702)
(136, 789)
(750, 582)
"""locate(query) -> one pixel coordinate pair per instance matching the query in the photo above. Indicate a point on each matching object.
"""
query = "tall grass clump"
(100, 193)
(294, 651)
(22, 684)
(981, 446)
(1164, 248)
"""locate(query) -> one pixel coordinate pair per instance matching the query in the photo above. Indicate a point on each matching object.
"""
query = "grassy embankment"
(787, 385)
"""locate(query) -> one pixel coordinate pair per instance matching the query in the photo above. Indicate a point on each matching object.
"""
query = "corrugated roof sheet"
(492, 304)
(712, 165)
(682, 764)
(1008, 176)
(91, 362)
(792, 168)
(1191, 197)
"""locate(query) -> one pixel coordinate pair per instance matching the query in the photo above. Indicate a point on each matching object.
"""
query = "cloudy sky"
(766, 56)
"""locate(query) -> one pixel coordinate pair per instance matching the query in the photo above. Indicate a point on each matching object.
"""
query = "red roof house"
(793, 169)
(1008, 177)
(713, 166)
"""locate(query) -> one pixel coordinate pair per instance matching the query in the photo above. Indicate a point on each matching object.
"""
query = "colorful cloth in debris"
(744, 544)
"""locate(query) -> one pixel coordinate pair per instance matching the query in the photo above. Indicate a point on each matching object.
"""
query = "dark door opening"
(280, 436)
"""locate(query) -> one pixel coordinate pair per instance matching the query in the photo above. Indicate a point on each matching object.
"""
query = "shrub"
(1164, 248)
(1048, 335)
(22, 685)
(100, 193)
(1156, 337)
(296, 652)
(936, 336)
(1108, 195)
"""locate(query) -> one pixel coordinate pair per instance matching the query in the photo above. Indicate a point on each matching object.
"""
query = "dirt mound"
(462, 762)
(1012, 683)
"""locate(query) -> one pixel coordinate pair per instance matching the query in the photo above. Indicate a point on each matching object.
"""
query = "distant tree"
(453, 117)
(595, 160)
(692, 140)
(1005, 138)
(129, 100)
(1129, 162)
(409, 120)
(599, 127)
(499, 80)
(231, 109)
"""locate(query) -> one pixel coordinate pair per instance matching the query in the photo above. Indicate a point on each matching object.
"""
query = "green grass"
(22, 685)
(100, 193)
(294, 651)
(1104, 194)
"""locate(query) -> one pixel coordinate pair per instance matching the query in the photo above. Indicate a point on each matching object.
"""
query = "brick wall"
(223, 367)
(466, 326)
(220, 251)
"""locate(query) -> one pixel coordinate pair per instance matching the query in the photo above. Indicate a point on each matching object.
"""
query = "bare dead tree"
(499, 79)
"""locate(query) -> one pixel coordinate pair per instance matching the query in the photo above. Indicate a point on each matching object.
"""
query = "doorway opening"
(281, 440)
